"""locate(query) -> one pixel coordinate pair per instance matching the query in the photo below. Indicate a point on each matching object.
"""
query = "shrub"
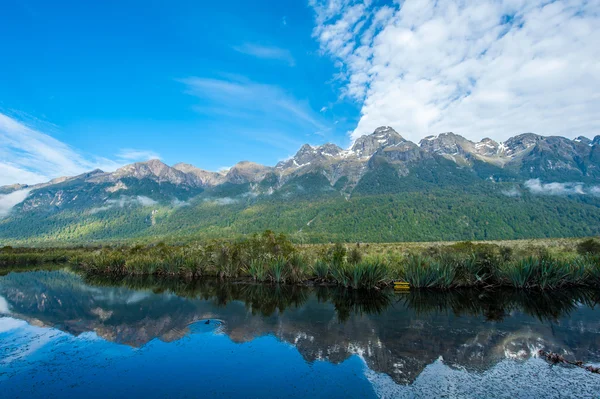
(589, 247)
(355, 256)
(337, 255)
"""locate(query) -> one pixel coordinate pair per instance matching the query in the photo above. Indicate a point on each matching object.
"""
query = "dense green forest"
(471, 213)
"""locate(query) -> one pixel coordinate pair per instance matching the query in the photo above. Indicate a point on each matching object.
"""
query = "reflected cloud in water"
(398, 339)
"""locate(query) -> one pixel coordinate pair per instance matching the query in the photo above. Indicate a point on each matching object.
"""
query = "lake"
(66, 336)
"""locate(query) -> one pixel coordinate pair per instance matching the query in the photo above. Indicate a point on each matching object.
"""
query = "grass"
(271, 257)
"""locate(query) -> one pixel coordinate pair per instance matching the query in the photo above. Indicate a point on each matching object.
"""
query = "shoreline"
(270, 258)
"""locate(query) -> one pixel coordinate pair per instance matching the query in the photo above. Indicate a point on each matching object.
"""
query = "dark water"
(62, 336)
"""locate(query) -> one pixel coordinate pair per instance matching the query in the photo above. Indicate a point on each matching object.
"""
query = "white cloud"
(595, 191)
(262, 111)
(30, 156)
(480, 68)
(266, 52)
(9, 201)
(222, 201)
(133, 155)
(177, 203)
(4, 309)
(145, 201)
(123, 201)
(513, 192)
(242, 98)
(537, 187)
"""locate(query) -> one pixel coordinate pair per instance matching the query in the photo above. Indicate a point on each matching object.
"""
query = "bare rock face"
(247, 172)
(154, 170)
(487, 147)
(366, 146)
(445, 144)
(311, 156)
(12, 188)
(584, 140)
(405, 152)
(521, 143)
(204, 178)
(552, 155)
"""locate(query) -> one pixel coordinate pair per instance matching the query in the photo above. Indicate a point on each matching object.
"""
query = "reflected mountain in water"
(395, 334)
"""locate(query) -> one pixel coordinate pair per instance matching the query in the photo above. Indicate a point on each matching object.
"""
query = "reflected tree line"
(268, 299)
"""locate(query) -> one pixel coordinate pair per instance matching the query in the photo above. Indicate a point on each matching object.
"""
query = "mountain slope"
(383, 188)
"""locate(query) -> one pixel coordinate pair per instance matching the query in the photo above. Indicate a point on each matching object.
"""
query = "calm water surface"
(64, 336)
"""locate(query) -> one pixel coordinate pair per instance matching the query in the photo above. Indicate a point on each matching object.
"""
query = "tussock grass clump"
(278, 270)
(259, 270)
(369, 274)
(544, 273)
(270, 257)
(591, 265)
(321, 270)
(419, 272)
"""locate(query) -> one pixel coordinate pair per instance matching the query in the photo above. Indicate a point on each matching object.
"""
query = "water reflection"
(494, 305)
(395, 334)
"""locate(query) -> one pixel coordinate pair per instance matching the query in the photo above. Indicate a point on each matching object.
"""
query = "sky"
(87, 85)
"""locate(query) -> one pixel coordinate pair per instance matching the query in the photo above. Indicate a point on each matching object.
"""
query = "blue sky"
(101, 84)
(210, 83)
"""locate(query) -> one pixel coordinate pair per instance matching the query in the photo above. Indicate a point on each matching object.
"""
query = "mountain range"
(382, 188)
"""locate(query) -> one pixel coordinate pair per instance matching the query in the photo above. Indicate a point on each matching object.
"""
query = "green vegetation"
(273, 258)
(416, 212)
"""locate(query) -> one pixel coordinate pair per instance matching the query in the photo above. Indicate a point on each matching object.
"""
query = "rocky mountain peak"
(153, 169)
(247, 172)
(445, 144)
(487, 147)
(583, 140)
(522, 142)
(308, 155)
(12, 188)
(596, 140)
(366, 146)
(204, 178)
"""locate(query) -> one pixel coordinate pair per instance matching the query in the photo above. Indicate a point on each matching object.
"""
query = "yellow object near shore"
(401, 285)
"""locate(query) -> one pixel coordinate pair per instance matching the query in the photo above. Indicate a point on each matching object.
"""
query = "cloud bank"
(30, 156)
(535, 186)
(479, 68)
(123, 201)
(9, 201)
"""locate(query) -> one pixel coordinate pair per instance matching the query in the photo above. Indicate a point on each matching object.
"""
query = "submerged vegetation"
(273, 258)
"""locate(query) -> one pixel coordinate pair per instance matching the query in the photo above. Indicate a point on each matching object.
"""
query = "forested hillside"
(383, 189)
